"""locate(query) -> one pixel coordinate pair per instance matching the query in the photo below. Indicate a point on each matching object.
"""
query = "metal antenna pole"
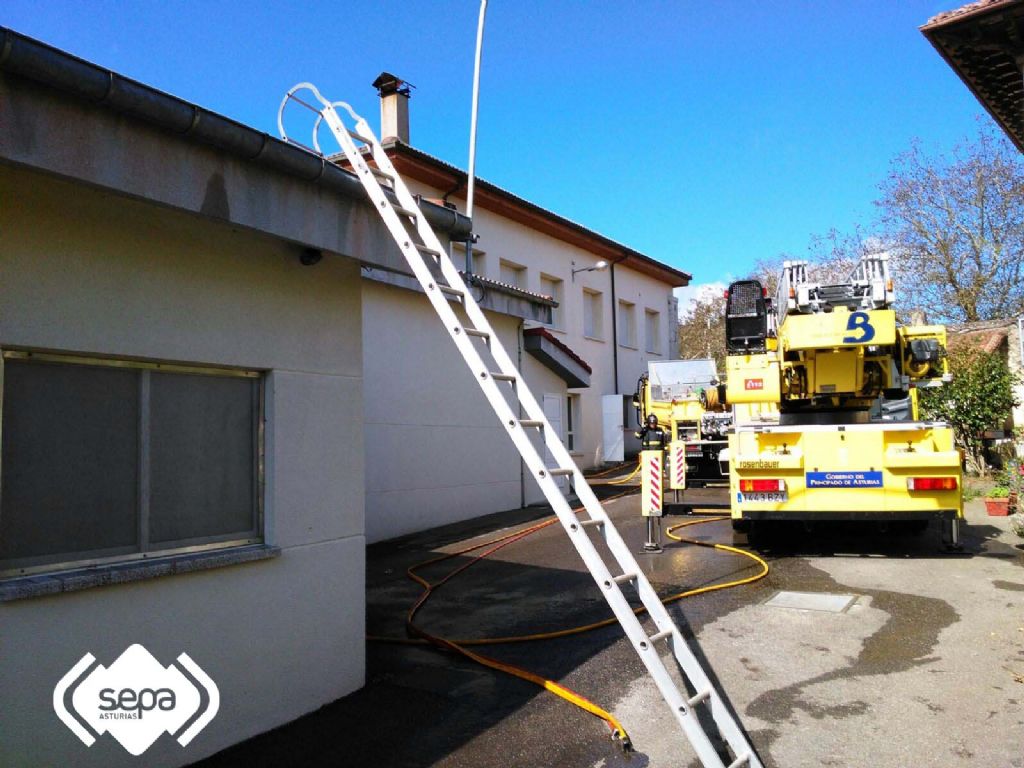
(472, 130)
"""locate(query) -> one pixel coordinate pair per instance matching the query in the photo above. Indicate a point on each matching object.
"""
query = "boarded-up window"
(102, 460)
(627, 324)
(592, 314)
(652, 331)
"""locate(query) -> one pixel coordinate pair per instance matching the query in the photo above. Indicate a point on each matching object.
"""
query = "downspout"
(615, 326)
(519, 367)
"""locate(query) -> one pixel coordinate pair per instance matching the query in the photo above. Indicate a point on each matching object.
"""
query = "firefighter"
(652, 437)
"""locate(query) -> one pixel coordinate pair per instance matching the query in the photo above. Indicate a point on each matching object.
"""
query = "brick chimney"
(394, 107)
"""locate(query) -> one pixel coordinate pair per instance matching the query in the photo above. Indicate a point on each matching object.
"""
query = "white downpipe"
(476, 103)
(471, 185)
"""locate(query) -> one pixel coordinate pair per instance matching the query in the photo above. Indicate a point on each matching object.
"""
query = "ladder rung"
(451, 291)
(357, 137)
(502, 376)
(381, 174)
(624, 578)
(590, 522)
(426, 250)
(531, 423)
(478, 334)
(661, 636)
(405, 211)
(561, 472)
(743, 759)
(699, 697)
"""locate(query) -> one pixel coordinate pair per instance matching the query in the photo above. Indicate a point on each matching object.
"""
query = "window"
(512, 274)
(479, 259)
(572, 422)
(627, 324)
(592, 311)
(109, 459)
(652, 331)
(553, 287)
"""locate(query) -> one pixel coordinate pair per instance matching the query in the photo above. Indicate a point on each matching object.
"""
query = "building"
(213, 366)
(182, 369)
(583, 332)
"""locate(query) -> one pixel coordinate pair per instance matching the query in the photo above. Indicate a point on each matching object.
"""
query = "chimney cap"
(386, 84)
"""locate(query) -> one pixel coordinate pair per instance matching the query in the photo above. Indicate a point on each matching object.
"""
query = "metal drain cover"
(812, 601)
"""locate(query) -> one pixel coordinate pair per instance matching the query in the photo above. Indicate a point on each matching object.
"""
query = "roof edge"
(599, 244)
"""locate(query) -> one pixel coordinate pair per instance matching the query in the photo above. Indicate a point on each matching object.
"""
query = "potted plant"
(1013, 478)
(997, 503)
(1017, 523)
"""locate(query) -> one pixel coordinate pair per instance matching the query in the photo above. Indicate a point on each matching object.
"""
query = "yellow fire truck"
(684, 396)
(823, 384)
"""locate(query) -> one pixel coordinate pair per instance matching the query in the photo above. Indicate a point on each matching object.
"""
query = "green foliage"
(1012, 476)
(999, 492)
(970, 493)
(980, 397)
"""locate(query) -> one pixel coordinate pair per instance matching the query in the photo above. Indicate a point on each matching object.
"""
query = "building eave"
(983, 43)
(427, 169)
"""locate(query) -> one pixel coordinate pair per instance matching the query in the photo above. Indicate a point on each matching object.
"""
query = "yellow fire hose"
(461, 646)
(627, 478)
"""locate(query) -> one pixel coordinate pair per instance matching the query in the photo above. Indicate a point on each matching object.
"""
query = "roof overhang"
(557, 356)
(73, 119)
(427, 169)
(488, 294)
(983, 42)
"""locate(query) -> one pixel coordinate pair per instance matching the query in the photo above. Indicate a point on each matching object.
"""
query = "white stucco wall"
(86, 272)
(541, 254)
(435, 451)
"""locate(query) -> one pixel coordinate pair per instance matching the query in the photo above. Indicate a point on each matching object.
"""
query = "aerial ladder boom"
(505, 390)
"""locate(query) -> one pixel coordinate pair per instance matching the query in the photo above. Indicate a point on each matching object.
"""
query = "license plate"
(771, 496)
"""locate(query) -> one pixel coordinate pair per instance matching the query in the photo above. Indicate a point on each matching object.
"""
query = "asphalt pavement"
(924, 667)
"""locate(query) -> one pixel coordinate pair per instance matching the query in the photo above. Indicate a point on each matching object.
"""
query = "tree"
(979, 398)
(954, 226)
(702, 329)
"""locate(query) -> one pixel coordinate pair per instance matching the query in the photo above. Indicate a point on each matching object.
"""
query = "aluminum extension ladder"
(476, 341)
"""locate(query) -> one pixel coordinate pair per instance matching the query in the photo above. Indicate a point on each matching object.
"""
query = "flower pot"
(997, 507)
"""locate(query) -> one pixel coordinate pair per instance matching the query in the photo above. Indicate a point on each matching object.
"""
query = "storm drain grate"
(812, 601)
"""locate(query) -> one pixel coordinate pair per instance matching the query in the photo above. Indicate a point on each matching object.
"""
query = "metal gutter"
(37, 61)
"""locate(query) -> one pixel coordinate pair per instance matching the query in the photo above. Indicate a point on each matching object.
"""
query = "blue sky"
(705, 134)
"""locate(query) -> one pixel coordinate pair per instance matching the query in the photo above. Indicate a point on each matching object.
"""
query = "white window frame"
(590, 298)
(627, 318)
(653, 341)
(557, 313)
(518, 269)
(85, 558)
(479, 259)
(573, 416)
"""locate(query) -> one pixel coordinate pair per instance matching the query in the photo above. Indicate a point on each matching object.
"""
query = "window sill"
(593, 338)
(624, 345)
(23, 587)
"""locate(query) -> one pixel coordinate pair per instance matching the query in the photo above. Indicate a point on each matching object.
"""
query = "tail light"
(762, 486)
(931, 484)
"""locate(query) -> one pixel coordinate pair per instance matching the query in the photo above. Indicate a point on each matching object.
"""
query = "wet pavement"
(919, 670)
